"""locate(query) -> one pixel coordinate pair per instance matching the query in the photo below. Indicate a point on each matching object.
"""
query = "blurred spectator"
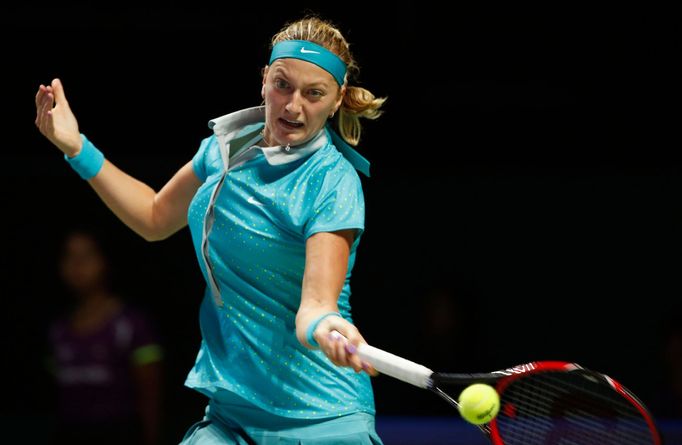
(104, 355)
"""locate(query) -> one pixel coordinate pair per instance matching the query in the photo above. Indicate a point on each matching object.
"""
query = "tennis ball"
(479, 403)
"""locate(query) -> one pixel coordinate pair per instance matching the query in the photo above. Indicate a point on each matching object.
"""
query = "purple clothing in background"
(94, 370)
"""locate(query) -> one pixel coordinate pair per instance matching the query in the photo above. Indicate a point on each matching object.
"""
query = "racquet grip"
(392, 365)
(396, 367)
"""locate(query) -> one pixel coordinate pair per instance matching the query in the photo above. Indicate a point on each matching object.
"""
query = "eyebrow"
(280, 70)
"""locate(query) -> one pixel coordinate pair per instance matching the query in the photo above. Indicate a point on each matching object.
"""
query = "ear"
(265, 75)
(265, 71)
(339, 100)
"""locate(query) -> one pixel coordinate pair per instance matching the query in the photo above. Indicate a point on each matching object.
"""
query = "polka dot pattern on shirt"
(256, 249)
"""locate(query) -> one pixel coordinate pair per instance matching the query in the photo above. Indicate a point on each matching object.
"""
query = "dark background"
(526, 180)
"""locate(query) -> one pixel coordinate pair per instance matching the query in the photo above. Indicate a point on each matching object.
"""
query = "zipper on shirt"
(209, 218)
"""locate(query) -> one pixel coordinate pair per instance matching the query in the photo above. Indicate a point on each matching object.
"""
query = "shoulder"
(207, 159)
(330, 175)
(331, 164)
(208, 143)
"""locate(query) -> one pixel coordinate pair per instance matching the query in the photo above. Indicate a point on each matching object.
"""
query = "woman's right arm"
(152, 215)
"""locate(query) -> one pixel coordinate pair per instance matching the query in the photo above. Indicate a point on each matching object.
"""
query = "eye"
(317, 94)
(281, 84)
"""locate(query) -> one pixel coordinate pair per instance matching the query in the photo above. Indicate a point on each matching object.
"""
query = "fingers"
(59, 91)
(42, 91)
(45, 102)
(352, 357)
(356, 361)
(339, 340)
(342, 351)
(44, 106)
(49, 122)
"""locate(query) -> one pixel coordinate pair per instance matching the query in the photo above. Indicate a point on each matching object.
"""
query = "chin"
(292, 139)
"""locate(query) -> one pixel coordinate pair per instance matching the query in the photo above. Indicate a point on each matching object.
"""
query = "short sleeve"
(144, 344)
(339, 205)
(200, 160)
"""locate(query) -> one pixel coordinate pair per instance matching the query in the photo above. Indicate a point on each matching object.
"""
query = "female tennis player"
(276, 212)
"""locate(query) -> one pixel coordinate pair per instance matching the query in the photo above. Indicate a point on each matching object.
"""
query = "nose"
(294, 104)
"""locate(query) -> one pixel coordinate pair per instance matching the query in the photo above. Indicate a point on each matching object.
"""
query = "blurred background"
(524, 202)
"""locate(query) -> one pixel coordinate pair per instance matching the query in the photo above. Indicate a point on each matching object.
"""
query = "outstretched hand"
(55, 120)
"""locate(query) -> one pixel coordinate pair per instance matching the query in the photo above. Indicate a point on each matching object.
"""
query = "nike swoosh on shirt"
(309, 51)
(253, 201)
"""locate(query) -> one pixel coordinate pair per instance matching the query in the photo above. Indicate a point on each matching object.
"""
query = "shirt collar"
(279, 155)
(251, 120)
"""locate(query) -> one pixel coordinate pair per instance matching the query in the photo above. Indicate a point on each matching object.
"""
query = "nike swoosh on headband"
(313, 53)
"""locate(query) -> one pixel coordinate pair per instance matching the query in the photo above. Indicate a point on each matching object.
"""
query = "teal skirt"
(232, 420)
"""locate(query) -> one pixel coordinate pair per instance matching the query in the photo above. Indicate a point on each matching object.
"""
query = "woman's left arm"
(326, 265)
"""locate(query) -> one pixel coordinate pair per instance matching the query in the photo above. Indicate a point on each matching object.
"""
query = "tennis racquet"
(541, 403)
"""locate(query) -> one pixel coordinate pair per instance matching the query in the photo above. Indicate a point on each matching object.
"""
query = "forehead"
(302, 71)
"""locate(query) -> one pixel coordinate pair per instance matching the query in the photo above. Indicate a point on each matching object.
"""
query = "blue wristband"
(88, 162)
(313, 325)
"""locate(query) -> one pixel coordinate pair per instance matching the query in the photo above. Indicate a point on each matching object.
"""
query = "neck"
(265, 136)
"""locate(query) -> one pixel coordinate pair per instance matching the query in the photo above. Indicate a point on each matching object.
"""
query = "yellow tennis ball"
(479, 403)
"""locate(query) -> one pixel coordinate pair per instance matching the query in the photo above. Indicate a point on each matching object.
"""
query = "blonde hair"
(357, 102)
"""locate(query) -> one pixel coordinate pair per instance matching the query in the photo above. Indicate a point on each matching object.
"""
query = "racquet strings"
(569, 408)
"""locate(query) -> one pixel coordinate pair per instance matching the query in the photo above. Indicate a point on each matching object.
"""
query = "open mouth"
(292, 125)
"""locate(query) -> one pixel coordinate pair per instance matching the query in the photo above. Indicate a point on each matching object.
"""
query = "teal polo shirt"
(250, 220)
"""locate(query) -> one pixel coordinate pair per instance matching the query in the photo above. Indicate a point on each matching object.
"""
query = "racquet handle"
(394, 366)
